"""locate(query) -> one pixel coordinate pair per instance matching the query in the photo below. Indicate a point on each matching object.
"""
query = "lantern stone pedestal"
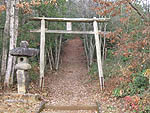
(22, 66)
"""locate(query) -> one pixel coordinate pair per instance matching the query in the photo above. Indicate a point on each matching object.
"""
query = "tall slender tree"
(5, 39)
(12, 12)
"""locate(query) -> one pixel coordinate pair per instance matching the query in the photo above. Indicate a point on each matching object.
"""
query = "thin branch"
(138, 12)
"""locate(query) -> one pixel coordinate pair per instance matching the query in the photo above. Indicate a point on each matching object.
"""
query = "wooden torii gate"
(94, 32)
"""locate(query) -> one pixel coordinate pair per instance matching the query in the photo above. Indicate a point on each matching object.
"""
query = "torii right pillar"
(98, 53)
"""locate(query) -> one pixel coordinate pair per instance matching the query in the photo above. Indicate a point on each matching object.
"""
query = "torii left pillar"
(42, 52)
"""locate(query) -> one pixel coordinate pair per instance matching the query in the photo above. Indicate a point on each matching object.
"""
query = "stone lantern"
(22, 66)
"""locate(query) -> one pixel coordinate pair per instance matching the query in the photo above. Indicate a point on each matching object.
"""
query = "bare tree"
(5, 39)
(13, 32)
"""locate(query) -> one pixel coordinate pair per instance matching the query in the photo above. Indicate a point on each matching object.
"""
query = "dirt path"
(68, 87)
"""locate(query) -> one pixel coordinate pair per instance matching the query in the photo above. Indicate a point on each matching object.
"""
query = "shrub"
(93, 70)
(34, 72)
(138, 85)
(141, 82)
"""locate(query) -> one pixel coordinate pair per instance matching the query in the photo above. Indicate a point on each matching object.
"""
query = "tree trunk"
(13, 39)
(86, 52)
(51, 55)
(56, 50)
(49, 59)
(91, 50)
(59, 49)
(5, 40)
(104, 43)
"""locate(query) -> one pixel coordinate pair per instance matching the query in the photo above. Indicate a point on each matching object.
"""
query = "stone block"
(23, 66)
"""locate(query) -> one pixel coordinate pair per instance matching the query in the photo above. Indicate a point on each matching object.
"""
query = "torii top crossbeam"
(72, 19)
